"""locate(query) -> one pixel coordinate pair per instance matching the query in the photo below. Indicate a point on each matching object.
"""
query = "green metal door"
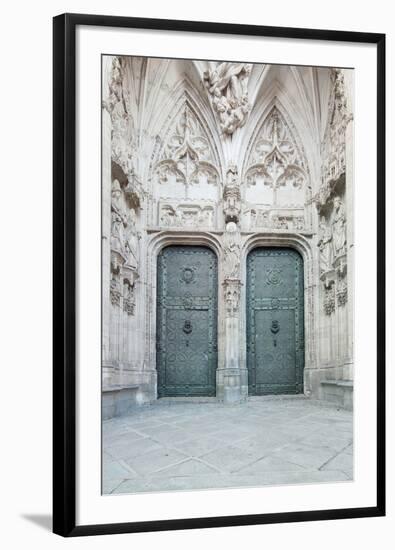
(275, 325)
(187, 321)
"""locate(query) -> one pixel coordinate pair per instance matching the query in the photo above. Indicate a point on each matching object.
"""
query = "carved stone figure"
(326, 248)
(232, 197)
(118, 219)
(339, 228)
(232, 247)
(227, 85)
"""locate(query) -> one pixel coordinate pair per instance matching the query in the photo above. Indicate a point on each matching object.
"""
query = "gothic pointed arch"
(276, 174)
(185, 173)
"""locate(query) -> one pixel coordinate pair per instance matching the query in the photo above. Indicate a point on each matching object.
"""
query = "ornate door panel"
(275, 324)
(187, 321)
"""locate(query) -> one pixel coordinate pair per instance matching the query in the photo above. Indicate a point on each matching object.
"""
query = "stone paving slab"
(180, 445)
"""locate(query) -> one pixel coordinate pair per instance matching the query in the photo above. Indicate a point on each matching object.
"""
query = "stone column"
(231, 377)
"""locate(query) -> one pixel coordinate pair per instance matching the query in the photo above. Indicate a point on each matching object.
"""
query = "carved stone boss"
(227, 86)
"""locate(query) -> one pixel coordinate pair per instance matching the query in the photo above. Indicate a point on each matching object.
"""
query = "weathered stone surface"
(230, 156)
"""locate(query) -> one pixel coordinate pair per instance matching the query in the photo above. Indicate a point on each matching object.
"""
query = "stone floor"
(173, 445)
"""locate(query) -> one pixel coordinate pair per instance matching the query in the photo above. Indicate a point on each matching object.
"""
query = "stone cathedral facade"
(227, 231)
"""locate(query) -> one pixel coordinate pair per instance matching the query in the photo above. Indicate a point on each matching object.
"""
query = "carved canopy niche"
(276, 170)
(187, 165)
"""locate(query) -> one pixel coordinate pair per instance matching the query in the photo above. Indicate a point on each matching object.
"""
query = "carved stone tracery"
(187, 155)
(275, 159)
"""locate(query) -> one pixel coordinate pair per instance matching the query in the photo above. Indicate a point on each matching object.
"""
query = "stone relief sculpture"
(339, 228)
(192, 215)
(227, 86)
(274, 219)
(232, 247)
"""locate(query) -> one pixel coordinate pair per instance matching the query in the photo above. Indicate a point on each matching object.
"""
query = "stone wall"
(230, 156)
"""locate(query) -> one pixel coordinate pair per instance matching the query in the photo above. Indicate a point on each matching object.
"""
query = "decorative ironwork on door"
(275, 321)
(186, 321)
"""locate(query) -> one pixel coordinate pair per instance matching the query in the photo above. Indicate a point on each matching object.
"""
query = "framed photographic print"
(219, 274)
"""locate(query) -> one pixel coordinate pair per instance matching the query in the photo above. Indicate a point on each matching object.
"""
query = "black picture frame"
(64, 273)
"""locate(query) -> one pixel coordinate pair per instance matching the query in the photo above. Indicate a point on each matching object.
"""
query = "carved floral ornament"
(187, 154)
(275, 159)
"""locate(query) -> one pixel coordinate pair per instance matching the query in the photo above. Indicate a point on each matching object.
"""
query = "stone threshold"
(119, 388)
